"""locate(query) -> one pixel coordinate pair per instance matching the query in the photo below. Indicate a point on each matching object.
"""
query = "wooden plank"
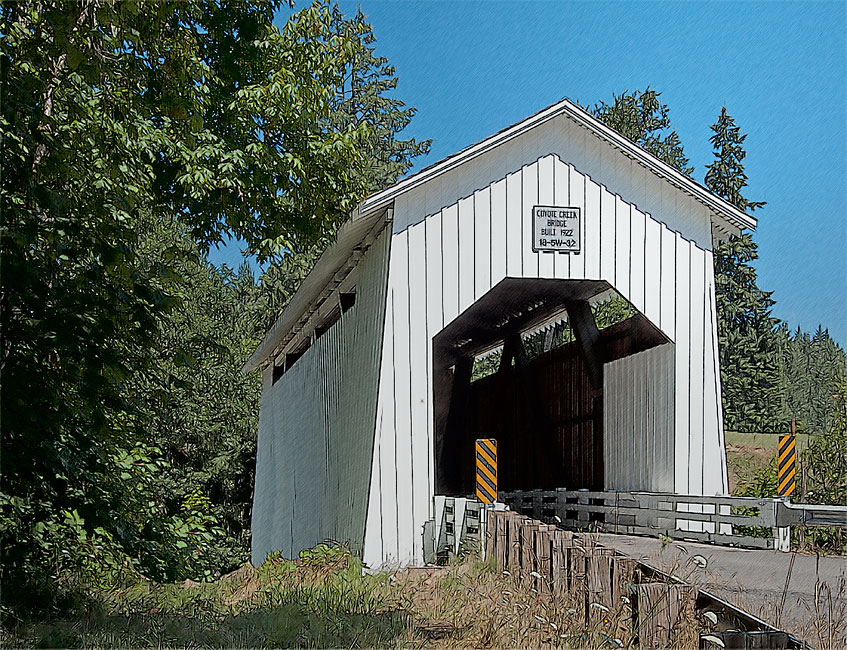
(542, 547)
(419, 391)
(715, 480)
(491, 535)
(576, 190)
(514, 225)
(591, 225)
(450, 261)
(561, 196)
(683, 343)
(607, 235)
(667, 315)
(482, 241)
(546, 196)
(404, 467)
(515, 526)
(598, 576)
(697, 378)
(558, 569)
(660, 610)
(637, 228)
(529, 197)
(652, 270)
(467, 253)
(498, 231)
(623, 245)
(527, 547)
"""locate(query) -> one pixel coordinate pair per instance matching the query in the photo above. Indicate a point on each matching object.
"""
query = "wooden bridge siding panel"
(498, 231)
(514, 225)
(420, 393)
(529, 198)
(607, 235)
(592, 226)
(714, 449)
(638, 392)
(383, 494)
(667, 310)
(623, 245)
(576, 193)
(325, 437)
(482, 243)
(434, 322)
(637, 229)
(468, 268)
(652, 269)
(450, 262)
(683, 371)
(696, 412)
(546, 196)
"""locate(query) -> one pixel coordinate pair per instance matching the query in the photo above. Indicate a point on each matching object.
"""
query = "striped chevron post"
(787, 464)
(486, 470)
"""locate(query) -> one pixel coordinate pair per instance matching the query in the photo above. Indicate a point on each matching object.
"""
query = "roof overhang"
(353, 238)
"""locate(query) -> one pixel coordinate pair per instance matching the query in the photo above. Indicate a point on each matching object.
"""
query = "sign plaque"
(555, 229)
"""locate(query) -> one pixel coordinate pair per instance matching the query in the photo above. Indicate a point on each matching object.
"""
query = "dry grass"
(328, 601)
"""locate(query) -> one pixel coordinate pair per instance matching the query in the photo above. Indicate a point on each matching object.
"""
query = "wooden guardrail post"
(658, 610)
(514, 542)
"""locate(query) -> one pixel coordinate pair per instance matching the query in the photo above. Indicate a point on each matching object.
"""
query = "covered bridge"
(370, 401)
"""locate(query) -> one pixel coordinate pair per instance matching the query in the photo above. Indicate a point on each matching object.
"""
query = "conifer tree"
(640, 117)
(749, 350)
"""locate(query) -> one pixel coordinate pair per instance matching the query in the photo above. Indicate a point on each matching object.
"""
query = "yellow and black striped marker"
(486, 470)
(787, 464)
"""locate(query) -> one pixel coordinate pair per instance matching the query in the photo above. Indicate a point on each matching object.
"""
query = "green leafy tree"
(750, 357)
(113, 112)
(201, 411)
(643, 119)
(364, 96)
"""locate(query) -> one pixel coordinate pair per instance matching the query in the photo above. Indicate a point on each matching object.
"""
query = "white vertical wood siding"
(638, 419)
(315, 446)
(586, 152)
(474, 227)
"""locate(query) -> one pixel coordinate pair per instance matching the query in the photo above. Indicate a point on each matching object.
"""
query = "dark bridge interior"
(546, 412)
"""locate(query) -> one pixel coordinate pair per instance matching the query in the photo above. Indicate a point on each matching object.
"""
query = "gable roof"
(371, 213)
(719, 208)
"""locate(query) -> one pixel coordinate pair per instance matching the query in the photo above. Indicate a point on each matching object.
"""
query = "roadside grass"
(326, 600)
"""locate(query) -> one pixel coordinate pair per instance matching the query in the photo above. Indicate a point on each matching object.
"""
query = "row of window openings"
(346, 301)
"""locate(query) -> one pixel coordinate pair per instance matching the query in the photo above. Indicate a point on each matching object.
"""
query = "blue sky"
(780, 68)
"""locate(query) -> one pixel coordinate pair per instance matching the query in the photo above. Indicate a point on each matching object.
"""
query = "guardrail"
(659, 605)
(726, 520)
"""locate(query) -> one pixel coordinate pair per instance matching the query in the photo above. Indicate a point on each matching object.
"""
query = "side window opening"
(346, 301)
(328, 322)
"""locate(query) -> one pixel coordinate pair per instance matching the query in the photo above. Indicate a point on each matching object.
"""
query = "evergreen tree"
(748, 345)
(813, 365)
(643, 119)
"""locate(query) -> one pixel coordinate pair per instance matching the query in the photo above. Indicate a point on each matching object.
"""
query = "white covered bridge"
(369, 409)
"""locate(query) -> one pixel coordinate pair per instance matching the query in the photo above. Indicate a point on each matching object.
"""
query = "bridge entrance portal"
(525, 365)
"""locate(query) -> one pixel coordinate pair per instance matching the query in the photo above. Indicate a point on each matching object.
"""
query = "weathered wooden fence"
(560, 562)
